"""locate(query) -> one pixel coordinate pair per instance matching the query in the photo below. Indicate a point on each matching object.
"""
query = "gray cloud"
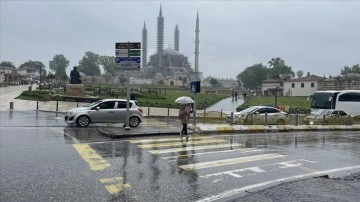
(316, 36)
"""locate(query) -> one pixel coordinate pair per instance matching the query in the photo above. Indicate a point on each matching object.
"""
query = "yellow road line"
(193, 148)
(95, 161)
(209, 164)
(166, 139)
(179, 143)
(114, 185)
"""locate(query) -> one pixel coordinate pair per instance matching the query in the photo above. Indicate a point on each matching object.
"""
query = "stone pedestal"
(77, 90)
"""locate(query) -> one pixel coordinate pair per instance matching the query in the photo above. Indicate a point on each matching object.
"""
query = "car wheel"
(83, 121)
(134, 121)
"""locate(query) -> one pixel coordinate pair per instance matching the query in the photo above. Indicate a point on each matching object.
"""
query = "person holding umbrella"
(184, 116)
(184, 113)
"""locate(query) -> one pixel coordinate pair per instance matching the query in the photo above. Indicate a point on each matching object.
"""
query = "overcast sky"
(319, 37)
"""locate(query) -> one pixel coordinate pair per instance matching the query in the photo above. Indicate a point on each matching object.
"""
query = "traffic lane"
(13, 118)
(36, 165)
(316, 189)
(197, 187)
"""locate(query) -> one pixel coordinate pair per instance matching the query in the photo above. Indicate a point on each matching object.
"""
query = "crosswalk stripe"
(224, 162)
(181, 143)
(136, 141)
(194, 148)
(242, 150)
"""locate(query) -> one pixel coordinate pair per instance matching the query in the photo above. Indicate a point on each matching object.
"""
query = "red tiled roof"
(307, 78)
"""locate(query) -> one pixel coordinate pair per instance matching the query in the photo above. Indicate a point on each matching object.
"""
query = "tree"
(34, 64)
(59, 65)
(108, 63)
(252, 76)
(122, 80)
(50, 77)
(89, 64)
(64, 78)
(353, 69)
(107, 76)
(7, 64)
(278, 67)
(214, 82)
(300, 73)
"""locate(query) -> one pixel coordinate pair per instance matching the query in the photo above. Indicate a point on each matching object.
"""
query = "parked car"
(105, 111)
(327, 116)
(258, 112)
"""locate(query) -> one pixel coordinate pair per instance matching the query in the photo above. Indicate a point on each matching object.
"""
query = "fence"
(202, 116)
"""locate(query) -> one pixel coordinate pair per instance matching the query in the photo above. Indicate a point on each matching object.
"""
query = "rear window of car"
(122, 104)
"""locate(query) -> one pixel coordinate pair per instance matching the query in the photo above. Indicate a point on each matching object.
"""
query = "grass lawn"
(293, 102)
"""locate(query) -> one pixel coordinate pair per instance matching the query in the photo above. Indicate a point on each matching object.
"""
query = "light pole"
(40, 79)
(276, 96)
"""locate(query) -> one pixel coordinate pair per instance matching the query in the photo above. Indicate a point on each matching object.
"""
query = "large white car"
(326, 116)
(105, 111)
(255, 110)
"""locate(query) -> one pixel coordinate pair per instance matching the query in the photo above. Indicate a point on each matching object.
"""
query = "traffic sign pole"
(127, 127)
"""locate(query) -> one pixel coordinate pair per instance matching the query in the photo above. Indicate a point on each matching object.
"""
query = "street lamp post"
(40, 79)
(276, 96)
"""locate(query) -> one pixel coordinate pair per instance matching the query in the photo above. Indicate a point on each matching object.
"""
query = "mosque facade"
(169, 65)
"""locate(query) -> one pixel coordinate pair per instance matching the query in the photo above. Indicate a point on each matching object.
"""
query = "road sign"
(127, 56)
(129, 45)
(121, 53)
(127, 53)
(128, 66)
(130, 60)
(195, 86)
(134, 53)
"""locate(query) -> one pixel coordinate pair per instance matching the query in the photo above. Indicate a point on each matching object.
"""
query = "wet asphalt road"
(43, 160)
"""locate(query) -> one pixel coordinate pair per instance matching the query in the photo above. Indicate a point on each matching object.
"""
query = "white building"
(303, 86)
(9, 75)
(28, 73)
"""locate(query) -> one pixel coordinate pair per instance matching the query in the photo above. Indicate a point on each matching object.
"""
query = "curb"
(273, 129)
(129, 134)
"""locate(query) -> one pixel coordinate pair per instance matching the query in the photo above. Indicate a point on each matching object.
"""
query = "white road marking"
(232, 161)
(150, 140)
(178, 143)
(260, 169)
(242, 150)
(233, 192)
(193, 148)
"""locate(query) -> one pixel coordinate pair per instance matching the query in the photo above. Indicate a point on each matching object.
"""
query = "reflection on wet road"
(210, 168)
(70, 163)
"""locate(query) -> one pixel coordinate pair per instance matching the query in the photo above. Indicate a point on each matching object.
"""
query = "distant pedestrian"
(236, 95)
(184, 116)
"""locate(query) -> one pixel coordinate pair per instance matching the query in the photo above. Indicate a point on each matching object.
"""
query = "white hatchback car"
(256, 110)
(105, 111)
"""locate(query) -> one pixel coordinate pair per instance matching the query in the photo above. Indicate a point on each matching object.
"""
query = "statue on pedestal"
(75, 76)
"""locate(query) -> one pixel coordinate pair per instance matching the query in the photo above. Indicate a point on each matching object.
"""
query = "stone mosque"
(168, 66)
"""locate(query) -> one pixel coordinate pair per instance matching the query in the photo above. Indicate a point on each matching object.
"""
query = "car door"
(120, 112)
(104, 112)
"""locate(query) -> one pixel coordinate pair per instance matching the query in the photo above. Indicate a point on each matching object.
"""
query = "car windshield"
(250, 109)
(93, 104)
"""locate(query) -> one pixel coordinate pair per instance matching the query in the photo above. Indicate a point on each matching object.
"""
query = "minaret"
(176, 38)
(144, 46)
(197, 41)
(160, 41)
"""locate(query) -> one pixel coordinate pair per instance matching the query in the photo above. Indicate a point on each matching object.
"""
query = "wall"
(298, 90)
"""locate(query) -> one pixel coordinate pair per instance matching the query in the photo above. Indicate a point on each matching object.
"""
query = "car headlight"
(70, 113)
